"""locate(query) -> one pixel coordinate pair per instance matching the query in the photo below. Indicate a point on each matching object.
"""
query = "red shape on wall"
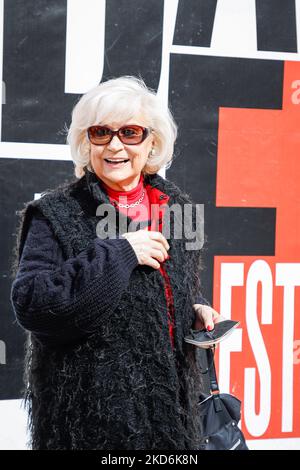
(259, 161)
(259, 166)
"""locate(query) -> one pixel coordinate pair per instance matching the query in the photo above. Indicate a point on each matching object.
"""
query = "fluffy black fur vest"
(122, 386)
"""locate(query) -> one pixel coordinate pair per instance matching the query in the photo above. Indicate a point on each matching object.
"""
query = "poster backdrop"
(230, 71)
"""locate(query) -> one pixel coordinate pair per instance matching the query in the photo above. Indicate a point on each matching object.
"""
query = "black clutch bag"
(221, 330)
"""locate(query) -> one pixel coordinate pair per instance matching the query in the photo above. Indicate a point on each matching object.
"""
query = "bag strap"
(213, 381)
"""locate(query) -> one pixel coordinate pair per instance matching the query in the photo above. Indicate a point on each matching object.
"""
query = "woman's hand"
(206, 317)
(150, 247)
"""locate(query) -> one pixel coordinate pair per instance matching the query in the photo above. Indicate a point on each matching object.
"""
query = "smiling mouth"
(116, 162)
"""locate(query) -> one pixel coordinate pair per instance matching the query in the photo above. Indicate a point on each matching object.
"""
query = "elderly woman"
(106, 365)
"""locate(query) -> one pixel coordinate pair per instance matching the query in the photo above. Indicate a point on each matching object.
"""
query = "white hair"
(122, 99)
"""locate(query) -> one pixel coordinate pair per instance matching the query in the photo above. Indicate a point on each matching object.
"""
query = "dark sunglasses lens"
(132, 134)
(99, 135)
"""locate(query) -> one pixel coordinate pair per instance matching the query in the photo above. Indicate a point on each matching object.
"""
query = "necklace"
(134, 203)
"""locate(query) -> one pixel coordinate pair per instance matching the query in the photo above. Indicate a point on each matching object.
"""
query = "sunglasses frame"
(146, 133)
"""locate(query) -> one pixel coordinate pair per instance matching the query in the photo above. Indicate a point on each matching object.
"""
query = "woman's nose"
(115, 143)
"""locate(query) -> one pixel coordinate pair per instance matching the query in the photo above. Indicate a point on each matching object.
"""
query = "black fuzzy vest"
(122, 386)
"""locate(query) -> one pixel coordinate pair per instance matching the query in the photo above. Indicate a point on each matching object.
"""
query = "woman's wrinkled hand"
(150, 247)
(206, 317)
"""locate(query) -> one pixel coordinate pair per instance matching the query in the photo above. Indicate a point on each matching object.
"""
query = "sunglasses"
(129, 135)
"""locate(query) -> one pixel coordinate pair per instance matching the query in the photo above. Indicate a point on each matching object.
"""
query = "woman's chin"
(120, 174)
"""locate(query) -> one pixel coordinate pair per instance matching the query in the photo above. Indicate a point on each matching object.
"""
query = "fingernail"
(209, 328)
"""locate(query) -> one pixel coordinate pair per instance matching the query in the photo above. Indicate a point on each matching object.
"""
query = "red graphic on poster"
(259, 166)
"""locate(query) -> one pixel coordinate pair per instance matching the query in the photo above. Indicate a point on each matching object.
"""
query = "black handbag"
(219, 415)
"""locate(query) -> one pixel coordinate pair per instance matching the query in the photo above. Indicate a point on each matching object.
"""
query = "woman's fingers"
(217, 318)
(159, 246)
(150, 247)
(153, 263)
(198, 324)
(160, 238)
(157, 254)
(206, 317)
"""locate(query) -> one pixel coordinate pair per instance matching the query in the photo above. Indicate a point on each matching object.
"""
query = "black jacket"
(100, 369)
